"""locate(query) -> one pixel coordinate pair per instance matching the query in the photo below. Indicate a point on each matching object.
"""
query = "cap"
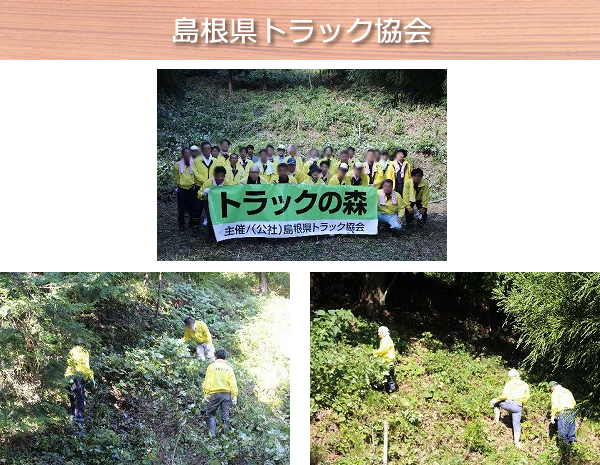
(552, 383)
(359, 165)
(291, 161)
(343, 166)
(281, 147)
(313, 168)
(194, 147)
(513, 373)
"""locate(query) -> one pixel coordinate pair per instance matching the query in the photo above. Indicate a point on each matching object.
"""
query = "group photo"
(278, 164)
(454, 368)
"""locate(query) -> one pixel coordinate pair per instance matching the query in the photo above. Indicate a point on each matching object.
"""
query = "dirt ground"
(428, 243)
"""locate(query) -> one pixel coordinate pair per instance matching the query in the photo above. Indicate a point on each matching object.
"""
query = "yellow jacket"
(184, 180)
(209, 184)
(386, 350)
(411, 194)
(245, 180)
(562, 400)
(334, 181)
(202, 172)
(246, 167)
(299, 164)
(298, 175)
(263, 174)
(333, 164)
(515, 390)
(364, 179)
(220, 378)
(200, 335)
(233, 179)
(389, 208)
(382, 174)
(78, 363)
(308, 181)
(221, 160)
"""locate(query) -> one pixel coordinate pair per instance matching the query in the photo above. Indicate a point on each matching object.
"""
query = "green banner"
(291, 210)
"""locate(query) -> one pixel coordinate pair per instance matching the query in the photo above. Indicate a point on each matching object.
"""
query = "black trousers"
(400, 186)
(209, 225)
(410, 217)
(76, 390)
(186, 203)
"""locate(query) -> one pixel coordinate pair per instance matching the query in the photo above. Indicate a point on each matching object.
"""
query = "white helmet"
(383, 329)
(513, 373)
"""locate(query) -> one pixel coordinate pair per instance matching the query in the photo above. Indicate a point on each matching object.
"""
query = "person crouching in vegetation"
(187, 193)
(77, 374)
(416, 197)
(390, 208)
(402, 170)
(314, 176)
(387, 352)
(514, 395)
(563, 405)
(197, 332)
(220, 390)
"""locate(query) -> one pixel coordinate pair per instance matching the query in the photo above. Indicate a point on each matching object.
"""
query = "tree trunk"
(230, 81)
(309, 79)
(159, 289)
(373, 293)
(264, 288)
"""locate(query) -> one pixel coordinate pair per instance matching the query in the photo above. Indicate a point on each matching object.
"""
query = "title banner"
(291, 210)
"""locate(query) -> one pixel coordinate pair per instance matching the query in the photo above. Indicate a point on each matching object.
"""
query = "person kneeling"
(390, 208)
(416, 197)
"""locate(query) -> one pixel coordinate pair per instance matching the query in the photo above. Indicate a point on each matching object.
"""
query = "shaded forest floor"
(441, 413)
(427, 243)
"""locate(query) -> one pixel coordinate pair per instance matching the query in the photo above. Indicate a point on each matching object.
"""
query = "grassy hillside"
(337, 115)
(147, 407)
(360, 116)
(441, 413)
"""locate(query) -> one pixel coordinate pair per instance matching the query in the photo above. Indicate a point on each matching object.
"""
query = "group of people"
(219, 387)
(514, 395)
(402, 191)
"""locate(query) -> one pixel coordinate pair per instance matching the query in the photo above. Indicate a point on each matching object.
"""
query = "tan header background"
(80, 29)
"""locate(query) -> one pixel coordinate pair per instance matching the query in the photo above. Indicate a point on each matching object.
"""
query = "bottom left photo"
(144, 368)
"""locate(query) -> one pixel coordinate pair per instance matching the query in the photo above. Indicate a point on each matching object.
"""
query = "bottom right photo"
(453, 368)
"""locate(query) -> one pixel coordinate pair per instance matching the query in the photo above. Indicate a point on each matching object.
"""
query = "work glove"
(493, 402)
(552, 420)
(234, 401)
(206, 191)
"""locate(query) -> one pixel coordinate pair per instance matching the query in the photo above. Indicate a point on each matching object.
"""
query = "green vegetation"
(455, 347)
(147, 406)
(333, 108)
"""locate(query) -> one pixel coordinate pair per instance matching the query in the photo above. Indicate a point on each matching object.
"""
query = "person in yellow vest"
(313, 159)
(351, 155)
(294, 171)
(223, 157)
(254, 176)
(281, 156)
(195, 150)
(187, 194)
(377, 155)
(401, 168)
(390, 208)
(214, 152)
(283, 175)
(314, 176)
(562, 409)
(245, 160)
(204, 167)
(358, 178)
(385, 169)
(416, 197)
(196, 332)
(514, 396)
(220, 391)
(77, 374)
(265, 166)
(218, 179)
(387, 351)
(371, 167)
(345, 158)
(328, 156)
(234, 171)
(341, 178)
(293, 153)
(325, 171)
